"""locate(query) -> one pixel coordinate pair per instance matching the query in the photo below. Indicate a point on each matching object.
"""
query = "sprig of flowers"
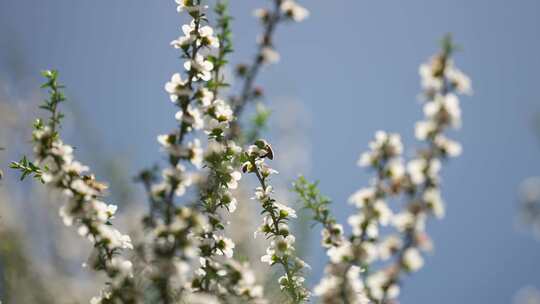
(384, 158)
(418, 181)
(200, 108)
(55, 166)
(275, 224)
(218, 273)
(174, 244)
(282, 10)
(440, 81)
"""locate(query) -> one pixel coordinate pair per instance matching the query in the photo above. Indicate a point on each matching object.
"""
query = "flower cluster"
(175, 242)
(174, 249)
(341, 284)
(200, 108)
(440, 79)
(275, 223)
(417, 181)
(56, 166)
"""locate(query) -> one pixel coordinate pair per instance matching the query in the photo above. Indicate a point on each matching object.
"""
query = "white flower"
(205, 97)
(366, 159)
(188, 38)
(265, 227)
(294, 11)
(96, 300)
(384, 146)
(225, 246)
(282, 245)
(222, 111)
(419, 170)
(353, 276)
(206, 34)
(279, 247)
(268, 257)
(432, 197)
(232, 205)
(327, 285)
(103, 211)
(367, 252)
(412, 259)
(285, 211)
(75, 167)
(115, 238)
(177, 87)
(200, 67)
(356, 221)
(122, 265)
(187, 5)
(203, 37)
(233, 182)
(195, 152)
(403, 221)
(267, 171)
(375, 282)
(193, 119)
(393, 291)
(269, 55)
(185, 182)
(362, 197)
(340, 253)
(459, 80)
(164, 140)
(444, 109)
(62, 150)
(67, 218)
(423, 129)
(392, 141)
(396, 169)
(389, 246)
(82, 188)
(360, 226)
(429, 82)
(262, 194)
(384, 214)
(450, 147)
(174, 173)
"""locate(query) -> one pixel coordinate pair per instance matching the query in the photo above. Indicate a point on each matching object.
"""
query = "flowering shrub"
(186, 255)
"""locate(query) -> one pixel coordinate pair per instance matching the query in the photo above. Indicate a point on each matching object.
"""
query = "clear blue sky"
(354, 64)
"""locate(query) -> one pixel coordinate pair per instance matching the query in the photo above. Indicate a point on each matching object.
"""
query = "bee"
(90, 180)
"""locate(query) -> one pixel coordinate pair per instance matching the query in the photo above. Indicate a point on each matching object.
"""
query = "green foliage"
(224, 36)
(311, 198)
(56, 96)
(448, 46)
(50, 104)
(27, 168)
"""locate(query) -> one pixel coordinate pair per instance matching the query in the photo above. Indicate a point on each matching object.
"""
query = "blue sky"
(353, 64)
